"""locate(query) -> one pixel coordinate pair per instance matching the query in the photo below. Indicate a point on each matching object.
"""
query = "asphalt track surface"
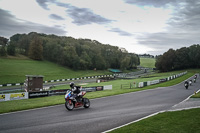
(104, 114)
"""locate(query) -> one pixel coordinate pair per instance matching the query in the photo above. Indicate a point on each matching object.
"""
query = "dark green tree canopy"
(73, 53)
(182, 58)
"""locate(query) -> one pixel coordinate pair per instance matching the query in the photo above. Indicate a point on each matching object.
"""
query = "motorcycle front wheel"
(69, 106)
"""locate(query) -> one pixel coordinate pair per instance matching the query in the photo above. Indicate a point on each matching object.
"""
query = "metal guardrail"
(58, 80)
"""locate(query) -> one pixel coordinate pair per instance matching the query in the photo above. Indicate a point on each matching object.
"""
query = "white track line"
(133, 121)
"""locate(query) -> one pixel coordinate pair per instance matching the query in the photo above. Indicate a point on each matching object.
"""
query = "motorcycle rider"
(194, 80)
(76, 91)
(190, 82)
(186, 84)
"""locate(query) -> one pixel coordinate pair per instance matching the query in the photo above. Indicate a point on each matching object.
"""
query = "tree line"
(183, 58)
(67, 51)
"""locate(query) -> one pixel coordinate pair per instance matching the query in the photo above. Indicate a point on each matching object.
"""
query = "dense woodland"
(183, 58)
(67, 51)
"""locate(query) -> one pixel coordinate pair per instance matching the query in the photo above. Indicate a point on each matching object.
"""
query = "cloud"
(186, 17)
(44, 3)
(120, 32)
(83, 16)
(163, 41)
(10, 25)
(183, 28)
(155, 3)
(56, 17)
(80, 16)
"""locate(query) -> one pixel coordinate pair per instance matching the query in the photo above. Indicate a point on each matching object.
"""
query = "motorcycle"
(194, 80)
(71, 100)
(186, 84)
(190, 82)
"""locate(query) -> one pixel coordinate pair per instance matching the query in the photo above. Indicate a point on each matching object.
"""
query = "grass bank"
(186, 121)
(147, 62)
(197, 95)
(13, 70)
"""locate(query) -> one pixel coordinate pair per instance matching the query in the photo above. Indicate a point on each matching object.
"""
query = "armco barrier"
(26, 95)
(143, 84)
(59, 80)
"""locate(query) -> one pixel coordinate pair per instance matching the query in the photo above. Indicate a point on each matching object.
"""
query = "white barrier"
(154, 82)
(107, 87)
(148, 83)
(141, 84)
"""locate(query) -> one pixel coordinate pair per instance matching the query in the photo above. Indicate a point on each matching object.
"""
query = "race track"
(104, 113)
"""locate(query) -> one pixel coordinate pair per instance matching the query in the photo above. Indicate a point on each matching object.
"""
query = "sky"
(139, 26)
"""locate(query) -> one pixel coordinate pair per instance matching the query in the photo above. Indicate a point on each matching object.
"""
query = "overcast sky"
(139, 26)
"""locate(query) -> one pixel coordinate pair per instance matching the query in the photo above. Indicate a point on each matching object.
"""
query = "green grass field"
(147, 62)
(14, 70)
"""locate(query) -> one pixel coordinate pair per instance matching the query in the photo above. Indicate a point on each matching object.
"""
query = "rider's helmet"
(71, 84)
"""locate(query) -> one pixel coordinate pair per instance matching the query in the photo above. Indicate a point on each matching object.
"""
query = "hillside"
(147, 62)
(78, 54)
(13, 70)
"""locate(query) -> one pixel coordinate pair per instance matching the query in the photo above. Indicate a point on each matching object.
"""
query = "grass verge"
(197, 95)
(186, 121)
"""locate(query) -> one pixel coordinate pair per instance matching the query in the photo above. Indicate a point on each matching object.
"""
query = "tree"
(36, 49)
(85, 61)
(166, 61)
(3, 42)
(194, 55)
(2, 51)
(182, 60)
(98, 62)
(70, 57)
(125, 63)
(158, 63)
(11, 49)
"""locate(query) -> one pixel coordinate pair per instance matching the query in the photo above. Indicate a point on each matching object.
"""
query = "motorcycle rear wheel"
(86, 103)
(69, 106)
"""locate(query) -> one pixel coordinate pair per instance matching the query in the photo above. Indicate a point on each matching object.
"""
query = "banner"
(57, 92)
(2, 97)
(38, 94)
(107, 87)
(13, 96)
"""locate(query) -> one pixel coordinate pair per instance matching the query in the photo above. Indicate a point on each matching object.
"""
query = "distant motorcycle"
(194, 80)
(190, 82)
(72, 102)
(186, 84)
